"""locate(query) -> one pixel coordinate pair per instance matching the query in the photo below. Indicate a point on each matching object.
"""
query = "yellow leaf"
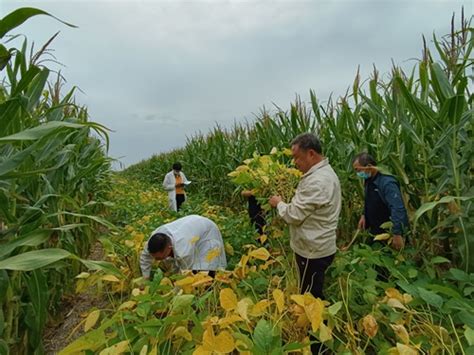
(201, 351)
(259, 308)
(263, 238)
(299, 299)
(110, 278)
(91, 320)
(370, 325)
(228, 299)
(129, 243)
(225, 322)
(394, 303)
(224, 343)
(182, 332)
(189, 280)
(203, 281)
(260, 253)
(287, 152)
(383, 236)
(244, 260)
(325, 333)
(279, 298)
(213, 253)
(116, 349)
(127, 305)
(144, 350)
(407, 298)
(273, 151)
(406, 350)
(394, 293)
(229, 249)
(243, 306)
(136, 292)
(83, 275)
(314, 311)
(401, 332)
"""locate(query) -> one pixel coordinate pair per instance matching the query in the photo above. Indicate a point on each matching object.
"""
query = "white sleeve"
(146, 261)
(168, 183)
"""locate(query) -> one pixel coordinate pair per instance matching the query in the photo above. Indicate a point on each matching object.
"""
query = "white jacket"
(313, 212)
(197, 245)
(169, 184)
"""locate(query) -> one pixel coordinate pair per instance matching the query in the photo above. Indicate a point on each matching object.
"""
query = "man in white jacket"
(174, 183)
(193, 242)
(312, 214)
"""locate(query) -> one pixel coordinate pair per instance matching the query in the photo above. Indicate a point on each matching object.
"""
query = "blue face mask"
(364, 175)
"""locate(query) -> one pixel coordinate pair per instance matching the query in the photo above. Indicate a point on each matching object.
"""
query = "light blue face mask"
(363, 175)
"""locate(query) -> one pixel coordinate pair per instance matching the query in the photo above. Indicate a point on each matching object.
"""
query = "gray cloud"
(158, 71)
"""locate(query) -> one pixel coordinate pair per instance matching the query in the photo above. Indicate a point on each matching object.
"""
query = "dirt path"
(57, 336)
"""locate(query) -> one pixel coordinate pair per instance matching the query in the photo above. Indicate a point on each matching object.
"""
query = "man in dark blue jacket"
(383, 200)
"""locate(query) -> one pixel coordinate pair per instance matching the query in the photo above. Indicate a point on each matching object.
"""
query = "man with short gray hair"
(312, 214)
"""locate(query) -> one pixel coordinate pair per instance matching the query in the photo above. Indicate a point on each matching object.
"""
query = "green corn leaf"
(33, 260)
(17, 17)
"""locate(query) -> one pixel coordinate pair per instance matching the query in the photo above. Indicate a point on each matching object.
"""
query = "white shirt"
(197, 245)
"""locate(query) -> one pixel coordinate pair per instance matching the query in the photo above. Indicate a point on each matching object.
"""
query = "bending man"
(193, 242)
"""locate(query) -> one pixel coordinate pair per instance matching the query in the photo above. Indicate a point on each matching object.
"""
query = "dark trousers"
(311, 273)
(256, 214)
(179, 201)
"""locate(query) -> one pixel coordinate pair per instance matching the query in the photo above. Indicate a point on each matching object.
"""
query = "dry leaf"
(260, 253)
(370, 325)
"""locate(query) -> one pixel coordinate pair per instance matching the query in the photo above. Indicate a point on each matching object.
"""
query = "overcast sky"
(156, 72)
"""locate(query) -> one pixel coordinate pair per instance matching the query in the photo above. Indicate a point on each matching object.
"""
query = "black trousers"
(256, 214)
(179, 201)
(311, 273)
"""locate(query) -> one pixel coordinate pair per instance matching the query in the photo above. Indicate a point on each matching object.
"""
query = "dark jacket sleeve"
(392, 197)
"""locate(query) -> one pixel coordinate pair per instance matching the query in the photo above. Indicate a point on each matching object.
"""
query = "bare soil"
(73, 310)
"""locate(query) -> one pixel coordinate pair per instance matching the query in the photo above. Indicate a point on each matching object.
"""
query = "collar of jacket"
(315, 167)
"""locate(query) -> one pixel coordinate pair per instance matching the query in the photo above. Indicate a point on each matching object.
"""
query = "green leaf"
(444, 290)
(430, 297)
(334, 308)
(430, 205)
(33, 260)
(5, 56)
(262, 336)
(37, 286)
(39, 131)
(181, 302)
(459, 275)
(294, 346)
(469, 334)
(32, 239)
(439, 260)
(105, 266)
(17, 17)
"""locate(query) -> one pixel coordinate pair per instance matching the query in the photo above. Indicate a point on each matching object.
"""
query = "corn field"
(59, 199)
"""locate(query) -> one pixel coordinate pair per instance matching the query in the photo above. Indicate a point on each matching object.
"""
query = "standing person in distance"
(382, 200)
(174, 183)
